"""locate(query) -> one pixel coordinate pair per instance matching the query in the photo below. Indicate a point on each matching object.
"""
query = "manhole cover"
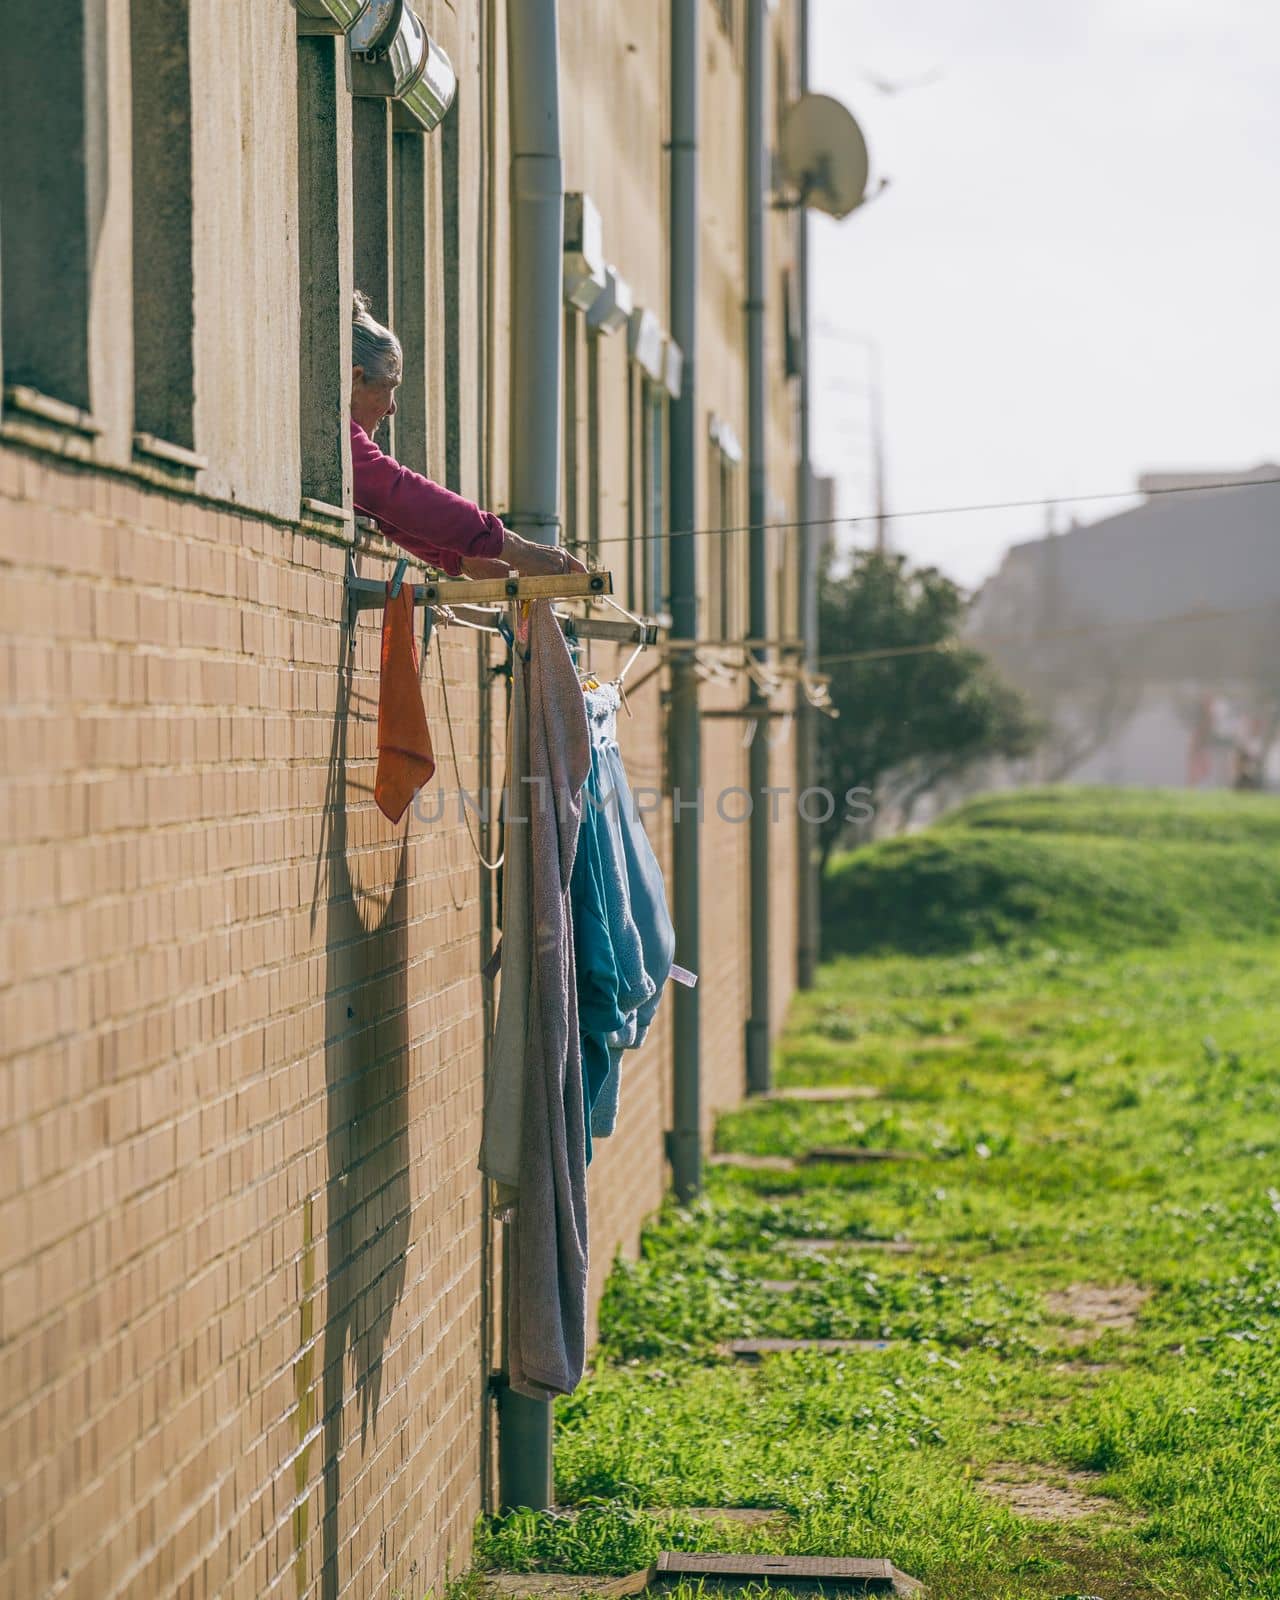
(811, 1573)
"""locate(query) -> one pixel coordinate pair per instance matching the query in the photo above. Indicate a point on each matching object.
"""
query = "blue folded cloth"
(623, 938)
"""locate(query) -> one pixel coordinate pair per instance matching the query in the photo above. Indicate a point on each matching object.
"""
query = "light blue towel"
(636, 902)
(596, 967)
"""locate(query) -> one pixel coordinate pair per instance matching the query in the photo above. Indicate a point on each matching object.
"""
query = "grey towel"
(548, 1240)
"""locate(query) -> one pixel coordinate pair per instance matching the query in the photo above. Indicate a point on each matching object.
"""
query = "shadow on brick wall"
(366, 1071)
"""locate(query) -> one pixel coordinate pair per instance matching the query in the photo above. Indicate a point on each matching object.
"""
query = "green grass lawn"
(1079, 1393)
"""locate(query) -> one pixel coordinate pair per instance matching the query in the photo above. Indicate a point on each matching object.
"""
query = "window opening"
(655, 551)
(163, 279)
(372, 212)
(410, 425)
(52, 199)
(593, 444)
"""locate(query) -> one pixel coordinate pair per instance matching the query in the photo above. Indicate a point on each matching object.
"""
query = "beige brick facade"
(248, 1292)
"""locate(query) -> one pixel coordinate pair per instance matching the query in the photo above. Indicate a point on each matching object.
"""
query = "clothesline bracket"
(642, 632)
(369, 594)
(757, 713)
(548, 586)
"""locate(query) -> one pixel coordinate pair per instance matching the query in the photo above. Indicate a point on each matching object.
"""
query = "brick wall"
(241, 1077)
(243, 1258)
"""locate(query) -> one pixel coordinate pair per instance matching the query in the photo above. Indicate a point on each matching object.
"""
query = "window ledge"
(61, 413)
(333, 522)
(153, 448)
(31, 417)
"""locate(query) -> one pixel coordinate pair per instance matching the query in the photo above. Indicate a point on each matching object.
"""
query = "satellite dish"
(823, 154)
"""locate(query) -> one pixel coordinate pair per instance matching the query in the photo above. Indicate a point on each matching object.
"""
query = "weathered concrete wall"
(244, 137)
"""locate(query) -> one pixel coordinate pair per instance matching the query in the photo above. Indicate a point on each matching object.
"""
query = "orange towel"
(405, 758)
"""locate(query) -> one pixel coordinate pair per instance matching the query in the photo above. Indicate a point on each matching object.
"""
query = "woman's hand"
(536, 560)
(484, 567)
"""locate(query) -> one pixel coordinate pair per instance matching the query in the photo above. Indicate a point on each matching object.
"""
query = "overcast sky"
(1075, 273)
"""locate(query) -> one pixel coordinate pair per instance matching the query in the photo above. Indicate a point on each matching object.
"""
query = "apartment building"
(1146, 639)
(251, 1290)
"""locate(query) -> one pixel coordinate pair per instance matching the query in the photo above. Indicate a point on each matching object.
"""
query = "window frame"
(725, 599)
(654, 556)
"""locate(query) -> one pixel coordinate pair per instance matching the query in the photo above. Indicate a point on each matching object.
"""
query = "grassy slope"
(1086, 867)
(1099, 1116)
(1210, 817)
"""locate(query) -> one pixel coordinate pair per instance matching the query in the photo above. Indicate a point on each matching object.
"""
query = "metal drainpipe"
(684, 749)
(807, 885)
(759, 1076)
(537, 267)
(525, 1473)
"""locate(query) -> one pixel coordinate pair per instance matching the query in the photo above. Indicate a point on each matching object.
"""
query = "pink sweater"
(432, 523)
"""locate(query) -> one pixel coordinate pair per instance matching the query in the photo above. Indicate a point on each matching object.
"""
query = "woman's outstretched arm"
(431, 522)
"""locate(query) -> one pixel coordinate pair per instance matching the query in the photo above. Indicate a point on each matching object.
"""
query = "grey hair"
(373, 347)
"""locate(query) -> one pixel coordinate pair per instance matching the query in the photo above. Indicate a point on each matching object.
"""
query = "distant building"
(1150, 641)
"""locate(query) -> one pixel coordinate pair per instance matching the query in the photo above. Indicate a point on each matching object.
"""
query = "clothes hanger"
(587, 677)
(630, 662)
(639, 649)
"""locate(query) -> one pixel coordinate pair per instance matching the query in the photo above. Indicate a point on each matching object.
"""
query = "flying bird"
(901, 85)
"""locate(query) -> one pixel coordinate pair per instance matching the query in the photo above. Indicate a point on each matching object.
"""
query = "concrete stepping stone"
(779, 1285)
(1048, 1494)
(729, 1158)
(739, 1516)
(832, 1094)
(850, 1155)
(1095, 1309)
(755, 1350)
(888, 1247)
(562, 1585)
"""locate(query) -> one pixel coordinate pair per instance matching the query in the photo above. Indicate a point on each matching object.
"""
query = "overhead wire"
(1085, 631)
(1036, 503)
(729, 670)
(891, 652)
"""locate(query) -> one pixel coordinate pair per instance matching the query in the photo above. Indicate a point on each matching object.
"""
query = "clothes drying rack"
(464, 595)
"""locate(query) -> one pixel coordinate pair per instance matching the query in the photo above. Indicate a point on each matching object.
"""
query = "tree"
(923, 712)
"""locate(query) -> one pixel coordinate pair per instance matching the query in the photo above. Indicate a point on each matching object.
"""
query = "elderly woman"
(432, 523)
